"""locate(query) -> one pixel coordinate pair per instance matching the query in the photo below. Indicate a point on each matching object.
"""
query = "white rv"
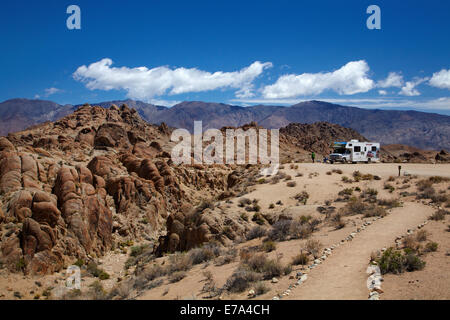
(354, 151)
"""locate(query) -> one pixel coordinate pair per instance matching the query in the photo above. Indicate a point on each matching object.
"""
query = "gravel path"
(343, 274)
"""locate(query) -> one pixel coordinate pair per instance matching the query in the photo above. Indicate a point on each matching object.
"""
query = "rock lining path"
(343, 274)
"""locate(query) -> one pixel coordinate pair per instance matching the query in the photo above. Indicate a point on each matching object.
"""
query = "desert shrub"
(227, 257)
(439, 198)
(424, 184)
(353, 207)
(177, 276)
(243, 202)
(410, 242)
(179, 262)
(346, 191)
(271, 206)
(426, 193)
(287, 269)
(269, 246)
(299, 230)
(244, 216)
(389, 203)
(240, 280)
(97, 272)
(391, 178)
(261, 181)
(337, 222)
(329, 173)
(421, 235)
(291, 184)
(300, 259)
(138, 250)
(273, 268)
(439, 215)
(287, 178)
(431, 247)
(413, 262)
(302, 197)
(155, 271)
(279, 202)
(371, 192)
(357, 175)
(205, 253)
(258, 218)
(79, 263)
(280, 230)
(261, 288)
(256, 232)
(374, 211)
(388, 186)
(346, 179)
(97, 292)
(338, 171)
(438, 179)
(391, 261)
(313, 247)
(256, 262)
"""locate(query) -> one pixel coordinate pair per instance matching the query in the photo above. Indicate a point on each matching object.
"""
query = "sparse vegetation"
(394, 261)
(177, 276)
(301, 259)
(256, 232)
(97, 272)
(291, 184)
(313, 247)
(439, 215)
(302, 197)
(261, 288)
(269, 246)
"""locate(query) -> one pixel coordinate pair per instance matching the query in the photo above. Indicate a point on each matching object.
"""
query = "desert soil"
(342, 275)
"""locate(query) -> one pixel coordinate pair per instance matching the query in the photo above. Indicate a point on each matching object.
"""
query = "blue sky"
(239, 52)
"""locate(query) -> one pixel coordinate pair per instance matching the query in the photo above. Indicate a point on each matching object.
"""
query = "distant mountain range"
(419, 129)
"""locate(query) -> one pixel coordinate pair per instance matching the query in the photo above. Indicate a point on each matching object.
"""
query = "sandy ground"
(433, 282)
(341, 276)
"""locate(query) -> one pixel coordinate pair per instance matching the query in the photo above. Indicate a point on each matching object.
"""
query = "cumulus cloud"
(440, 79)
(48, 92)
(350, 79)
(382, 92)
(393, 80)
(143, 83)
(409, 89)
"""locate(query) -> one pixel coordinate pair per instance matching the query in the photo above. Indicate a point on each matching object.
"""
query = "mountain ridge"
(414, 128)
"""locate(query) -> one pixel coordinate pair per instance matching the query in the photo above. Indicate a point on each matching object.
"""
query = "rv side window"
(365, 148)
(374, 148)
(357, 149)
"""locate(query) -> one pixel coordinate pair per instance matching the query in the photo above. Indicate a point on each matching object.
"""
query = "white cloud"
(382, 92)
(143, 83)
(393, 80)
(349, 79)
(51, 91)
(441, 79)
(409, 89)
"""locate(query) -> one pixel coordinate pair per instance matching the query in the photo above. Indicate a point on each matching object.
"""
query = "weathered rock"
(10, 173)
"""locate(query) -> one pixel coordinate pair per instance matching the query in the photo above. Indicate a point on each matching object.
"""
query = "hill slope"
(418, 129)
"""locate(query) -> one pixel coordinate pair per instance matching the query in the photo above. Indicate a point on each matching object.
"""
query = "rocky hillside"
(418, 129)
(83, 185)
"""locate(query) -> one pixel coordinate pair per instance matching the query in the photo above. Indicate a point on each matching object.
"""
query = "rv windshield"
(340, 150)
